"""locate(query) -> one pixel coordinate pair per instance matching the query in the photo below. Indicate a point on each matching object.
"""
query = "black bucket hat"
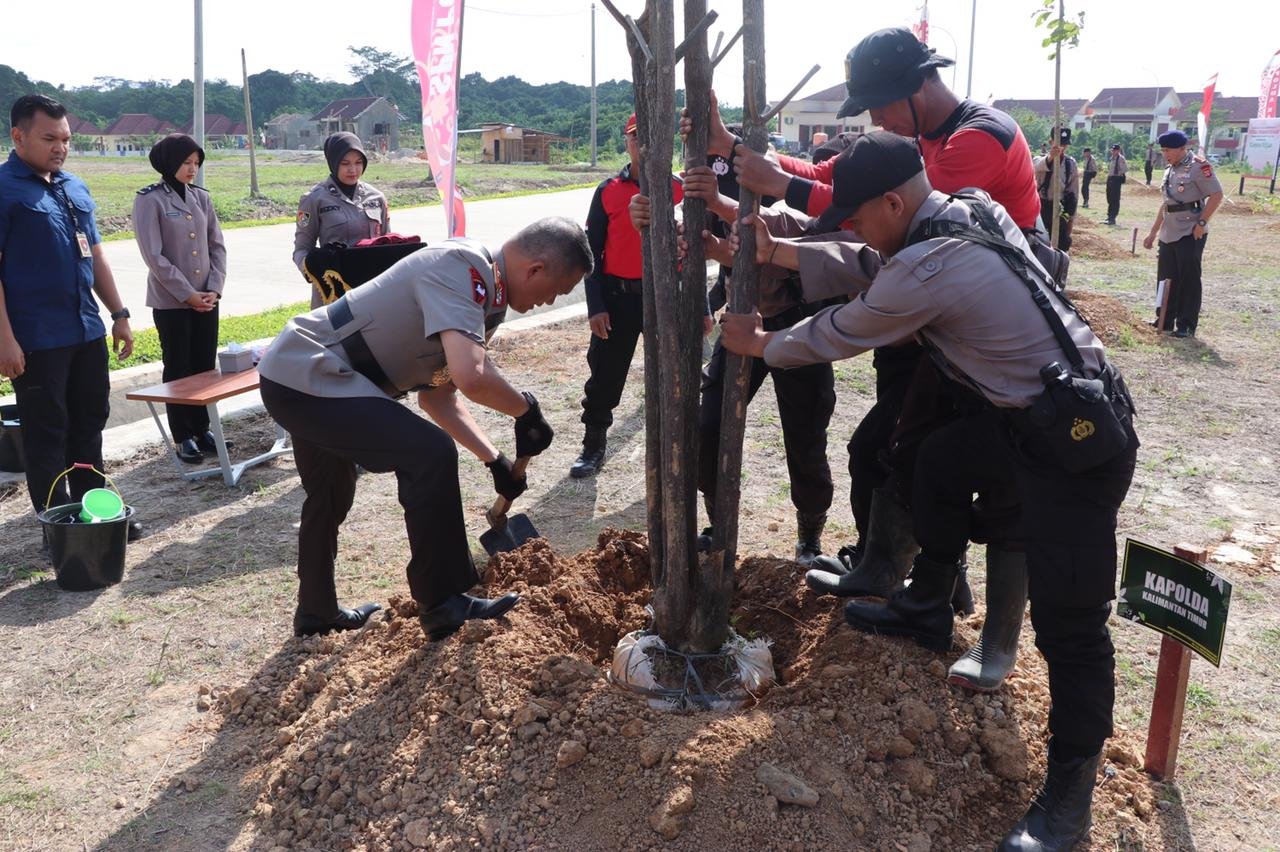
(884, 67)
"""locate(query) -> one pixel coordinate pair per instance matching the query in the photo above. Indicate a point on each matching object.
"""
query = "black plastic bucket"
(85, 556)
(10, 440)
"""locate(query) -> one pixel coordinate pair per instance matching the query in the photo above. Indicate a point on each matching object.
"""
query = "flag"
(436, 30)
(1202, 120)
(1270, 88)
(921, 27)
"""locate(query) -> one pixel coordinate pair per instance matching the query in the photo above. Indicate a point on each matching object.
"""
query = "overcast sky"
(1123, 43)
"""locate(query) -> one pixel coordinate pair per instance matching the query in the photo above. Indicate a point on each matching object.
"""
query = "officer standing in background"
(1068, 176)
(1116, 168)
(176, 227)
(332, 377)
(1190, 194)
(1149, 164)
(341, 208)
(975, 307)
(1089, 167)
(615, 302)
(52, 340)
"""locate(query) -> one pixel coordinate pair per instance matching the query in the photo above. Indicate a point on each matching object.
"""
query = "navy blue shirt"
(48, 287)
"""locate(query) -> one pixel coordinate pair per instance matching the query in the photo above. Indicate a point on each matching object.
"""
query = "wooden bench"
(208, 389)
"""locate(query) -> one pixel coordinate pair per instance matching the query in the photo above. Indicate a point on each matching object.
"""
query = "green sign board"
(1176, 597)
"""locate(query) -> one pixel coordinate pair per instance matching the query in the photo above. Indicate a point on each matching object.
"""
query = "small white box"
(235, 362)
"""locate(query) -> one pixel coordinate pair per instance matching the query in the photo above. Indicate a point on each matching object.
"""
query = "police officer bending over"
(959, 274)
(332, 378)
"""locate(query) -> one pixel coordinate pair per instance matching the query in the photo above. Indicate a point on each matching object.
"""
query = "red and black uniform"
(977, 146)
(614, 287)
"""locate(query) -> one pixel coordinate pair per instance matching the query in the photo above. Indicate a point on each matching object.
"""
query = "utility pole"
(593, 84)
(1060, 164)
(197, 107)
(248, 122)
(973, 29)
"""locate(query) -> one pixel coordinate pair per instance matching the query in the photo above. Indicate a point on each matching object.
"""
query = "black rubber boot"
(844, 560)
(809, 526)
(921, 611)
(1059, 815)
(592, 458)
(985, 666)
(886, 555)
(962, 600)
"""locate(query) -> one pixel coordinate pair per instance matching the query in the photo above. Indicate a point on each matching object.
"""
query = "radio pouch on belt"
(1078, 421)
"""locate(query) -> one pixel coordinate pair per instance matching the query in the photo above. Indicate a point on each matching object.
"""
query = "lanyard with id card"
(82, 239)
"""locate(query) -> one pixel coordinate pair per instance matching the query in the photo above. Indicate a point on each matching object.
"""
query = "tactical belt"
(358, 352)
(1178, 208)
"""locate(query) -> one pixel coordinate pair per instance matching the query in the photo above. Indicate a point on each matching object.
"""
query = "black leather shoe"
(189, 451)
(346, 619)
(444, 620)
(207, 443)
(1183, 332)
(1059, 817)
(135, 531)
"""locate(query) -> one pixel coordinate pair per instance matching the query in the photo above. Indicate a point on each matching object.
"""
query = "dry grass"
(101, 737)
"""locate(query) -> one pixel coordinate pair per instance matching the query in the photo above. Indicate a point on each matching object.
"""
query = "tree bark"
(743, 297)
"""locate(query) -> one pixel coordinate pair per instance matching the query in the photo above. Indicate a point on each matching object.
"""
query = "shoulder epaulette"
(153, 186)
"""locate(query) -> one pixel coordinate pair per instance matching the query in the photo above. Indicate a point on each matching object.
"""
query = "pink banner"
(1202, 120)
(1270, 88)
(436, 30)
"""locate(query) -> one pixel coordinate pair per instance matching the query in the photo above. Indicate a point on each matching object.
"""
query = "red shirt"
(615, 243)
(977, 146)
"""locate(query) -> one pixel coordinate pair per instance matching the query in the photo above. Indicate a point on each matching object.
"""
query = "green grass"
(146, 343)
(115, 181)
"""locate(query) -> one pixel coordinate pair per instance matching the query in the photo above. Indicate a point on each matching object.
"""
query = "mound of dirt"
(508, 736)
(1087, 243)
(1111, 319)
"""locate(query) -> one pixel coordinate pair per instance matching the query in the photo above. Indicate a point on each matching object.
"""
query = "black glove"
(503, 482)
(533, 433)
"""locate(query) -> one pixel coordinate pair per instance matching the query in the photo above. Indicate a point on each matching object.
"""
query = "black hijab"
(337, 146)
(170, 153)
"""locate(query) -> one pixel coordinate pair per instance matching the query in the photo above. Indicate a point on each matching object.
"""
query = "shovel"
(507, 533)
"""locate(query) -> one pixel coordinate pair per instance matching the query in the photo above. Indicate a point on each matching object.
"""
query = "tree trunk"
(743, 297)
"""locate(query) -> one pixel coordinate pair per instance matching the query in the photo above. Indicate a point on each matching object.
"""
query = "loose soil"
(173, 711)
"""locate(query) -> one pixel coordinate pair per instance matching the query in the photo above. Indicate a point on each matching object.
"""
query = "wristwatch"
(123, 313)
(1203, 223)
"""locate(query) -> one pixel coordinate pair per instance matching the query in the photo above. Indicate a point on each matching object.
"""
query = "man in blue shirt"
(52, 341)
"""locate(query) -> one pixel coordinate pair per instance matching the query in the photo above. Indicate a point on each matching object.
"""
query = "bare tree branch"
(613, 10)
(773, 113)
(719, 38)
(707, 21)
(728, 47)
(639, 37)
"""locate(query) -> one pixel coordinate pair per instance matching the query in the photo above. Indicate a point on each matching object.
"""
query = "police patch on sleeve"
(1206, 170)
(304, 218)
(478, 290)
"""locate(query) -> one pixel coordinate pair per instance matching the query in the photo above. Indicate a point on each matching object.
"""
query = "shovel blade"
(516, 532)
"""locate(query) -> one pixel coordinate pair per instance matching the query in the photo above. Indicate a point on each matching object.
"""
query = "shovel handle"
(497, 515)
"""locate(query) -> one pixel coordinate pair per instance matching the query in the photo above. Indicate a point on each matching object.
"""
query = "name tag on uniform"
(83, 242)
(172, 214)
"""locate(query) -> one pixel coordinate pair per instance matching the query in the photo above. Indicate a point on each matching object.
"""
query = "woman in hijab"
(341, 208)
(178, 234)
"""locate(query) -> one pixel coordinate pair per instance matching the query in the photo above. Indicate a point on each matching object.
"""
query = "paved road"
(261, 274)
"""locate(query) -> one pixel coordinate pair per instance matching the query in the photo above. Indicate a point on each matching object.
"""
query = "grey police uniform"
(1089, 169)
(980, 324)
(1117, 167)
(181, 243)
(326, 215)
(1184, 189)
(329, 379)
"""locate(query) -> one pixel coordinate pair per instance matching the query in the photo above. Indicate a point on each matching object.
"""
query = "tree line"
(560, 108)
